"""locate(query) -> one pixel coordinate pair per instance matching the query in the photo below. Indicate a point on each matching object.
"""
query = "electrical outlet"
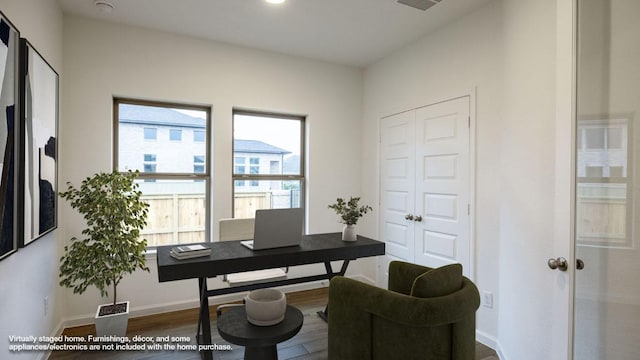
(46, 305)
(487, 299)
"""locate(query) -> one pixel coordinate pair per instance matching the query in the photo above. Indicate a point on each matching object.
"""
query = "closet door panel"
(442, 184)
(397, 190)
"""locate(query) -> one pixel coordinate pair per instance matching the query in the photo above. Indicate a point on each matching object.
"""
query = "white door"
(424, 186)
(397, 199)
(442, 184)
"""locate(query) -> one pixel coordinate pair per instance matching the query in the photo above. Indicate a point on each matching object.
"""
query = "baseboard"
(363, 279)
(56, 332)
(139, 311)
(500, 352)
(486, 340)
(492, 342)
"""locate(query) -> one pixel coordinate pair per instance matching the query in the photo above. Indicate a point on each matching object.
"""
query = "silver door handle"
(559, 263)
(418, 218)
(408, 217)
(579, 264)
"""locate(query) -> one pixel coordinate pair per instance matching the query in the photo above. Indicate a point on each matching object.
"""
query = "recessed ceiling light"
(104, 6)
(275, 1)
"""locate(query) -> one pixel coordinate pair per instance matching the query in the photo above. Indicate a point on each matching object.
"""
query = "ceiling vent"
(420, 4)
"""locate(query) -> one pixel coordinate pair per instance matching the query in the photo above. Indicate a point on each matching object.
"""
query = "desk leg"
(204, 321)
(324, 315)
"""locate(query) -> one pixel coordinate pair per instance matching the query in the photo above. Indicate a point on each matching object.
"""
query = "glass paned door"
(607, 289)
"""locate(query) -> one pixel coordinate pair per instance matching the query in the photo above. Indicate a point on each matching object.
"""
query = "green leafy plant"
(349, 211)
(111, 246)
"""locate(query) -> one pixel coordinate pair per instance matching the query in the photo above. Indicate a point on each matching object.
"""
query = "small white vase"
(349, 233)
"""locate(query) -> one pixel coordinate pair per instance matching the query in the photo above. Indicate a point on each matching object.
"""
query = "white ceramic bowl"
(265, 307)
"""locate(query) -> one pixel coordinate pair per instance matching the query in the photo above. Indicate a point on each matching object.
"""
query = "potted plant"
(349, 212)
(110, 246)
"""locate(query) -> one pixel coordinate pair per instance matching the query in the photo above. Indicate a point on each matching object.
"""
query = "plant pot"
(349, 233)
(112, 324)
(265, 307)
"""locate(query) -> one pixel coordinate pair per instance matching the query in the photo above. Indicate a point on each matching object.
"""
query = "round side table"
(259, 341)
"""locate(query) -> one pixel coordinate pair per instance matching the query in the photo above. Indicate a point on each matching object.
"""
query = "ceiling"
(350, 32)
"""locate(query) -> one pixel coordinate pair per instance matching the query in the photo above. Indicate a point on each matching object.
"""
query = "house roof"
(257, 147)
(153, 115)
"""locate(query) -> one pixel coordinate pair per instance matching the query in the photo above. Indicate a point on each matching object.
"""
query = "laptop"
(276, 228)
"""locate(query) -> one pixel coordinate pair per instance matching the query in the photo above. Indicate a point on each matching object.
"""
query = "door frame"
(562, 311)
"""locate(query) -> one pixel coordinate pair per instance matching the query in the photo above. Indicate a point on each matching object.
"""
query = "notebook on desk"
(276, 228)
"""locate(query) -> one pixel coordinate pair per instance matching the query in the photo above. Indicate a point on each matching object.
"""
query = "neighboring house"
(161, 140)
(256, 157)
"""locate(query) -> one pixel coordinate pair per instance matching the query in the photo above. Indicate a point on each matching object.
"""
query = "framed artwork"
(39, 128)
(9, 135)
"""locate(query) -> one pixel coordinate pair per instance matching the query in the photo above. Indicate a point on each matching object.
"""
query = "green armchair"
(426, 314)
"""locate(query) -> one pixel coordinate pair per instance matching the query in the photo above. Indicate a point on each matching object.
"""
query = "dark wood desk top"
(230, 256)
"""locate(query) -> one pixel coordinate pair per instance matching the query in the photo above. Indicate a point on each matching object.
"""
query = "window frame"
(206, 176)
(301, 177)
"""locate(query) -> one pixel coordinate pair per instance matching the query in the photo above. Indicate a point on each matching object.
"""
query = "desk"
(229, 257)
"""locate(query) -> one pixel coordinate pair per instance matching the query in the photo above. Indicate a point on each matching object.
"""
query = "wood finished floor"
(309, 344)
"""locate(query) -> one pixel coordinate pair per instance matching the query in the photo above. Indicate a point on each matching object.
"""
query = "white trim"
(491, 342)
(56, 332)
(485, 339)
(472, 184)
(500, 352)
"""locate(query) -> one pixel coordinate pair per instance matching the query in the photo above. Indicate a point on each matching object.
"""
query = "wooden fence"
(180, 218)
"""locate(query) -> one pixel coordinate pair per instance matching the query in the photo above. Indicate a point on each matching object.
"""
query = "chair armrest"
(400, 308)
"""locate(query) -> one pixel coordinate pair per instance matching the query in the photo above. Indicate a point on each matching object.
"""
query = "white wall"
(103, 60)
(30, 275)
(452, 61)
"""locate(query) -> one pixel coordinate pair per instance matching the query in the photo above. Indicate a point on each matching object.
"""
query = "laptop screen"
(278, 228)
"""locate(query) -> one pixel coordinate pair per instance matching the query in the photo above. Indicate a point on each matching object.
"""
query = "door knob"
(408, 217)
(559, 263)
(418, 218)
(579, 264)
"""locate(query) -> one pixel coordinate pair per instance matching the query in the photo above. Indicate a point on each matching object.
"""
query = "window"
(595, 137)
(239, 168)
(174, 175)
(594, 171)
(604, 191)
(602, 137)
(198, 164)
(255, 166)
(175, 135)
(149, 165)
(198, 136)
(150, 133)
(268, 153)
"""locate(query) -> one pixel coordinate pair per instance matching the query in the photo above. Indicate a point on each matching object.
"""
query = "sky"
(283, 133)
